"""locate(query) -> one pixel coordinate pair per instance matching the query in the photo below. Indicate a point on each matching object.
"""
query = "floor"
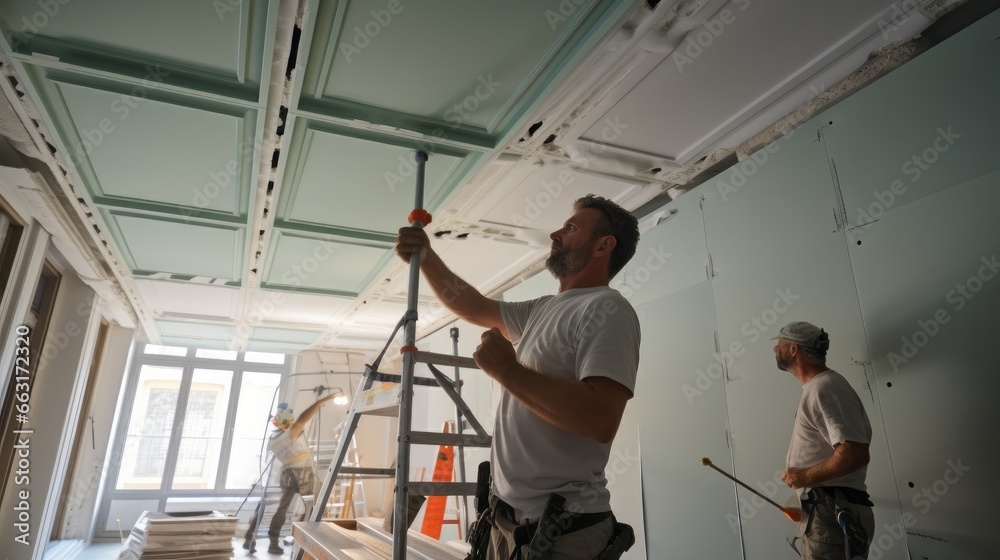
(109, 551)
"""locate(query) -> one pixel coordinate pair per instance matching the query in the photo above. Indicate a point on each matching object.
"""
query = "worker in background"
(828, 455)
(565, 385)
(298, 474)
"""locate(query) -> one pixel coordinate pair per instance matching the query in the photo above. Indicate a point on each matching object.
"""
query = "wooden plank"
(326, 541)
(419, 546)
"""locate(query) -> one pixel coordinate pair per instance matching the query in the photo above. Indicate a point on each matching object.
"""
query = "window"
(196, 424)
(265, 357)
(216, 354)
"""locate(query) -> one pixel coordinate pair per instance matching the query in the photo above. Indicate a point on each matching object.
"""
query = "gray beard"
(564, 263)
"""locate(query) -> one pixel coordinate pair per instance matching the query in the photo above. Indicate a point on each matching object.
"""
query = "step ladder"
(400, 404)
(347, 498)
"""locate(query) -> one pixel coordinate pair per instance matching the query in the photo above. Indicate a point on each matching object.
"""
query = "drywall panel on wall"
(928, 279)
(670, 257)
(689, 510)
(916, 158)
(921, 129)
(777, 257)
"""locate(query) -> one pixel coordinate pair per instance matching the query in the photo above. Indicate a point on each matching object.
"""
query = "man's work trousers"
(821, 537)
(293, 481)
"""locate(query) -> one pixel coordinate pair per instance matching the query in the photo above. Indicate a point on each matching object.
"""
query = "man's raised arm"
(456, 294)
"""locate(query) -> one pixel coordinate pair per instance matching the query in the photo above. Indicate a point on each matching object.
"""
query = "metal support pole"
(402, 496)
(453, 332)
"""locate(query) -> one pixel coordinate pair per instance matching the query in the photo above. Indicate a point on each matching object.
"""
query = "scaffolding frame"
(403, 487)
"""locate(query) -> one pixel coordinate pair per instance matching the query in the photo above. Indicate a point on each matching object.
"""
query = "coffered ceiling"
(242, 165)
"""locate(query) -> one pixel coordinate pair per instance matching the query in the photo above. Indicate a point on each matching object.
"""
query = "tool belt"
(834, 497)
(850, 495)
(533, 541)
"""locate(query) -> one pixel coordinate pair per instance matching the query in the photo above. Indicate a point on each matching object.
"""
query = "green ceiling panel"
(123, 139)
(332, 267)
(360, 184)
(410, 65)
(154, 244)
(223, 41)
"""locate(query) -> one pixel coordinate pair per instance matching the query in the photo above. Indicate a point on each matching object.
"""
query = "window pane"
(204, 426)
(264, 357)
(215, 354)
(164, 350)
(149, 428)
(251, 428)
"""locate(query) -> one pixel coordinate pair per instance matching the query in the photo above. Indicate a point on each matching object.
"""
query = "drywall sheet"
(690, 510)
(678, 414)
(778, 256)
(920, 177)
(929, 282)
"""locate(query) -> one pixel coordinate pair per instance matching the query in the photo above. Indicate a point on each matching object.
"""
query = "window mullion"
(228, 430)
(177, 430)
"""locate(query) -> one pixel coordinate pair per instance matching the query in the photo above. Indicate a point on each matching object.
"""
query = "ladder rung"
(369, 471)
(438, 438)
(425, 488)
(444, 360)
(390, 408)
(396, 378)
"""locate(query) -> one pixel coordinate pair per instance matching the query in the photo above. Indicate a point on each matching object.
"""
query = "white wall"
(59, 383)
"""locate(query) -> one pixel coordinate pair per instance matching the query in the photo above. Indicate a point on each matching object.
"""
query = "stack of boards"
(164, 536)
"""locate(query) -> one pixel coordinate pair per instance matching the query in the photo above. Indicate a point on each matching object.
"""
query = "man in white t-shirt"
(565, 385)
(828, 454)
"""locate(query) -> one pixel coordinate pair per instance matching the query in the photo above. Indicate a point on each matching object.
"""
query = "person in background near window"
(298, 474)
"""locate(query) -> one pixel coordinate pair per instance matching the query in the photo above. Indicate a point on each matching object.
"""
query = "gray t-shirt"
(579, 333)
(830, 412)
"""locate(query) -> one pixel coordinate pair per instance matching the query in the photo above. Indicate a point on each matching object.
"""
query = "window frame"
(188, 364)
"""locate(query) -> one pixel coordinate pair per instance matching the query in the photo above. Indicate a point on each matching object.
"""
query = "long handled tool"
(793, 515)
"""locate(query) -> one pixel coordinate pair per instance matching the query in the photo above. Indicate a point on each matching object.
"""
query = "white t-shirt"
(579, 333)
(291, 453)
(830, 413)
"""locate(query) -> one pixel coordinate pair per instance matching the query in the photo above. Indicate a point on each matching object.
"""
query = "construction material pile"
(180, 536)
